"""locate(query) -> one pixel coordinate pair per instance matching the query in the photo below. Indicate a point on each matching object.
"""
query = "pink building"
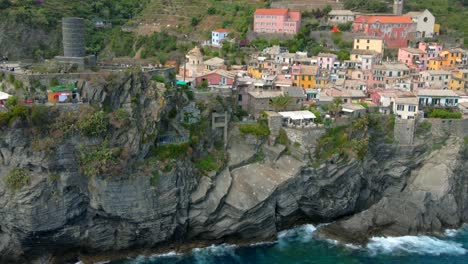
(217, 79)
(395, 30)
(413, 58)
(432, 49)
(279, 20)
(326, 60)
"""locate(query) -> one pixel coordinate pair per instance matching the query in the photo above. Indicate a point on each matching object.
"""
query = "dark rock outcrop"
(395, 190)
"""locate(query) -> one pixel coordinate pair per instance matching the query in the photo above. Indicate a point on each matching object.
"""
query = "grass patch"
(97, 161)
(258, 129)
(423, 128)
(171, 151)
(17, 179)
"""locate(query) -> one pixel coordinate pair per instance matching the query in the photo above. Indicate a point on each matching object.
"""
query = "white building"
(341, 16)
(406, 107)
(217, 36)
(425, 22)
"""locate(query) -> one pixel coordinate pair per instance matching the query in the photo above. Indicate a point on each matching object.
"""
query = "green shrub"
(158, 78)
(12, 101)
(282, 138)
(18, 111)
(154, 178)
(443, 114)
(171, 151)
(17, 179)
(4, 119)
(39, 116)
(258, 130)
(423, 128)
(53, 82)
(97, 161)
(54, 177)
(95, 125)
(207, 164)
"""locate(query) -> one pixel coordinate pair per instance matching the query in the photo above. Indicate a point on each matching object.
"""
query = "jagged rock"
(395, 190)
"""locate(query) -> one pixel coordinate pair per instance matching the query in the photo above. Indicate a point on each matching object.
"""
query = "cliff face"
(395, 190)
(18, 41)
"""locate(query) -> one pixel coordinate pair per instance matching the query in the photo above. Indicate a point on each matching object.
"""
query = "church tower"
(397, 7)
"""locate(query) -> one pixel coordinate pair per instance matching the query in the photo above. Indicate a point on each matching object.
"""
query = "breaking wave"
(420, 245)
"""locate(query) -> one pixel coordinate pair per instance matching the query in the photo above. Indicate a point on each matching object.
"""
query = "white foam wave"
(304, 231)
(208, 254)
(421, 245)
(166, 255)
(265, 243)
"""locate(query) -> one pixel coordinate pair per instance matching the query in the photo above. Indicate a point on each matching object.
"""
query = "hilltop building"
(394, 30)
(424, 21)
(341, 16)
(217, 36)
(279, 20)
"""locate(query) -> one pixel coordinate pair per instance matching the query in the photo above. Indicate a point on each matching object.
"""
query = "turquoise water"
(299, 246)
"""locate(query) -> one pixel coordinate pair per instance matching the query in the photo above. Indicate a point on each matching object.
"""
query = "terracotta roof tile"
(277, 11)
(383, 19)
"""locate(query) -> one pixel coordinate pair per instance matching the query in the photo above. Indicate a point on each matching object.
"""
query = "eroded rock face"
(430, 201)
(396, 190)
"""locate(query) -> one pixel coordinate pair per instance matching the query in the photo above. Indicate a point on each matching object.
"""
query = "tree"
(327, 9)
(280, 102)
(335, 106)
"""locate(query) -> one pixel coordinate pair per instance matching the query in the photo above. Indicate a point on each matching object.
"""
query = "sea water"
(299, 245)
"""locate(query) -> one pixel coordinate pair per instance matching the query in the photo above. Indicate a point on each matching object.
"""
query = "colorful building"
(406, 107)
(395, 30)
(217, 36)
(326, 60)
(62, 93)
(281, 20)
(447, 59)
(413, 58)
(369, 43)
(217, 79)
(459, 80)
(431, 79)
(388, 75)
(432, 49)
(304, 76)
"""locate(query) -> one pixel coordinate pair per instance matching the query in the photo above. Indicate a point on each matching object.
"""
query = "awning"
(181, 83)
(347, 110)
(4, 96)
(298, 115)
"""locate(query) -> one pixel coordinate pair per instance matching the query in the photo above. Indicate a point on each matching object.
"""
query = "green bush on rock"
(17, 179)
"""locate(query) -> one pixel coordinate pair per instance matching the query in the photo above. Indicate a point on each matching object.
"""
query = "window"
(368, 41)
(357, 41)
(412, 108)
(357, 47)
(400, 107)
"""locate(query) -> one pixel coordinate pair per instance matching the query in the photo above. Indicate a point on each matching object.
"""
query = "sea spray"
(420, 245)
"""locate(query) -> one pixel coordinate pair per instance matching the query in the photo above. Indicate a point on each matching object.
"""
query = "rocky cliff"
(73, 203)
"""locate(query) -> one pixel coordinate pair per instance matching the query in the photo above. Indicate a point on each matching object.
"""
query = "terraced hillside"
(306, 5)
(195, 18)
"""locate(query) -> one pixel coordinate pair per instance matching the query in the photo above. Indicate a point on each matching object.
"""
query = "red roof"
(221, 30)
(277, 11)
(384, 19)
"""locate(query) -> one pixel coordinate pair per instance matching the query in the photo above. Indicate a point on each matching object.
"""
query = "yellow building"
(369, 43)
(447, 59)
(459, 80)
(255, 72)
(304, 76)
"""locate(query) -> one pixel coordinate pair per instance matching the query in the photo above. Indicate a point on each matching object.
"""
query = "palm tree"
(280, 102)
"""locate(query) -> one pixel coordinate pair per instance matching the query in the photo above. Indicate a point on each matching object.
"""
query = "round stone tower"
(397, 7)
(73, 37)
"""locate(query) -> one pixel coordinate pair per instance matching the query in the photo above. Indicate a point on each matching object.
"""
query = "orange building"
(447, 59)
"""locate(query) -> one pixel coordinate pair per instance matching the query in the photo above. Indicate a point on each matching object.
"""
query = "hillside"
(31, 29)
(195, 18)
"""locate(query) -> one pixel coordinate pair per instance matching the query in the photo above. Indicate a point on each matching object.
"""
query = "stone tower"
(73, 29)
(397, 7)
